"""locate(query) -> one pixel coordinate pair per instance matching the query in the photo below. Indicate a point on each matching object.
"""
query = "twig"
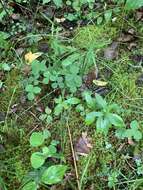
(10, 102)
(73, 155)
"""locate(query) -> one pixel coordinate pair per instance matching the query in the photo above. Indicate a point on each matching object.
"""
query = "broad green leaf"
(72, 101)
(58, 109)
(134, 124)
(46, 1)
(108, 15)
(89, 100)
(137, 135)
(58, 3)
(30, 186)
(116, 120)
(70, 59)
(49, 151)
(54, 174)
(29, 88)
(100, 101)
(90, 117)
(36, 139)
(30, 96)
(36, 90)
(46, 134)
(102, 125)
(37, 160)
(48, 110)
(133, 4)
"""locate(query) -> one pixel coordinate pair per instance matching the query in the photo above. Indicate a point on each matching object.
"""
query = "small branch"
(73, 155)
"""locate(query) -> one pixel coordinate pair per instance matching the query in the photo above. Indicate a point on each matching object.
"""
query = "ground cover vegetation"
(71, 94)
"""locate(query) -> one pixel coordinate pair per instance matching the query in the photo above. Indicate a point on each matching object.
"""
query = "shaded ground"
(109, 162)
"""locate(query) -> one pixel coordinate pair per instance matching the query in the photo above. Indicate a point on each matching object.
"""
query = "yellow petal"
(100, 83)
(29, 57)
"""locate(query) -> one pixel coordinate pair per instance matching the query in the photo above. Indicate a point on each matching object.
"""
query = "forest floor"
(76, 72)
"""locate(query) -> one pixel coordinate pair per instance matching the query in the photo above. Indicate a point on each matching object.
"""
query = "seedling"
(48, 174)
(32, 91)
(105, 116)
(46, 116)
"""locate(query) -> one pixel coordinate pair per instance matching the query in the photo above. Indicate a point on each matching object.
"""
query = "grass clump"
(93, 35)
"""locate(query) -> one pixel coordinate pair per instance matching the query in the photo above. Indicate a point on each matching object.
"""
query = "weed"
(47, 173)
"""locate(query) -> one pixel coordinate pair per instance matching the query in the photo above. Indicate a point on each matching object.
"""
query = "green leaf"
(100, 101)
(36, 90)
(89, 100)
(46, 134)
(58, 109)
(102, 125)
(133, 4)
(138, 135)
(54, 174)
(72, 101)
(37, 160)
(90, 117)
(49, 151)
(46, 1)
(29, 88)
(108, 15)
(6, 67)
(58, 3)
(30, 96)
(99, 20)
(30, 186)
(48, 110)
(36, 139)
(116, 120)
(134, 124)
(71, 59)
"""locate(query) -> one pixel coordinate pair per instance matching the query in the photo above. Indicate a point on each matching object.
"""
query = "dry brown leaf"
(83, 146)
(111, 52)
(125, 38)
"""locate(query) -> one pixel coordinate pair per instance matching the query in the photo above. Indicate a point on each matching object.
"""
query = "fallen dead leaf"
(125, 38)
(88, 79)
(132, 45)
(30, 57)
(83, 146)
(19, 51)
(100, 83)
(60, 20)
(15, 16)
(111, 52)
(131, 142)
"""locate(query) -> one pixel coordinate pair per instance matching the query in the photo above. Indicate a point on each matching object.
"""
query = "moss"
(12, 84)
(97, 36)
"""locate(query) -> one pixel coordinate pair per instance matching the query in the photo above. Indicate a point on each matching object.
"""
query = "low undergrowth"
(71, 95)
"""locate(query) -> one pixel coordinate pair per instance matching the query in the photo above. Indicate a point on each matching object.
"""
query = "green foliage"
(132, 133)
(30, 186)
(32, 91)
(36, 139)
(46, 116)
(54, 174)
(132, 5)
(98, 36)
(51, 174)
(105, 115)
(4, 43)
(113, 179)
(64, 104)
(58, 3)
